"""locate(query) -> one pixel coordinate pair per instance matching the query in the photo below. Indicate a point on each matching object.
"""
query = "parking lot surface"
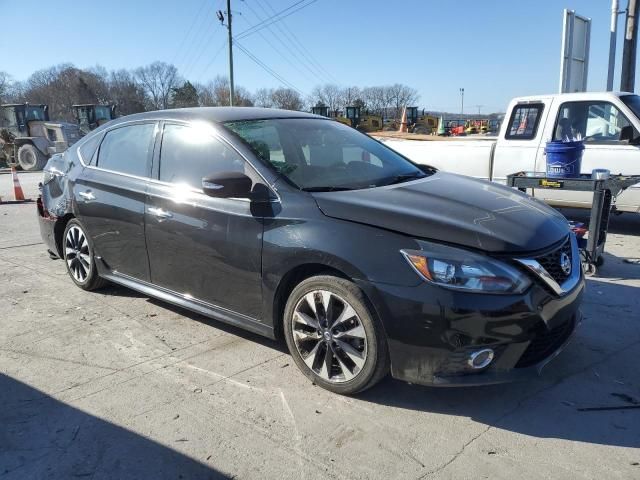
(112, 384)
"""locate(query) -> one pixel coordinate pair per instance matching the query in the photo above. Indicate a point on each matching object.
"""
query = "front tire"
(334, 336)
(77, 249)
(30, 158)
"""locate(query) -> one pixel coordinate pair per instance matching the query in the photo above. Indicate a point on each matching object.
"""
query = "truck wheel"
(30, 158)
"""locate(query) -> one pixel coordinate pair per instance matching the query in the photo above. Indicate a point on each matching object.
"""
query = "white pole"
(612, 44)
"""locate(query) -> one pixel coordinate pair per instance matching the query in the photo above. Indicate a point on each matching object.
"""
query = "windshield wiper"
(326, 189)
(406, 176)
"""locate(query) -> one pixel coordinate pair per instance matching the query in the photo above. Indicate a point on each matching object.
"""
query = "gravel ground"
(112, 384)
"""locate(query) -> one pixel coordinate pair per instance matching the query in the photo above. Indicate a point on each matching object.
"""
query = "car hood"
(453, 209)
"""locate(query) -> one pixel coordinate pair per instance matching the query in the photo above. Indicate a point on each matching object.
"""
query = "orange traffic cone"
(403, 122)
(18, 194)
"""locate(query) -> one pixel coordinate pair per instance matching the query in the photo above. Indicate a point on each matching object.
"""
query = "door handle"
(87, 195)
(159, 213)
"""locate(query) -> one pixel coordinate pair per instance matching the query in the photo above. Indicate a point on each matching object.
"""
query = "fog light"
(480, 358)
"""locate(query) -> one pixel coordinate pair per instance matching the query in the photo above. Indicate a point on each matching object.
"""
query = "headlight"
(464, 270)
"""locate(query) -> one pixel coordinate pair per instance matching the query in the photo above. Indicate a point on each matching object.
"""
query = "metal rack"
(604, 191)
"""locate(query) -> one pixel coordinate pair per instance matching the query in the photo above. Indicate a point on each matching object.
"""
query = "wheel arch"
(298, 274)
(289, 281)
(58, 231)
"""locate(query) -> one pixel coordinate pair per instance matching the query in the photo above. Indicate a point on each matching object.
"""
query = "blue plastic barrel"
(564, 159)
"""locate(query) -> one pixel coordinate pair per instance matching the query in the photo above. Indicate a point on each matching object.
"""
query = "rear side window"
(189, 154)
(524, 121)
(88, 149)
(127, 149)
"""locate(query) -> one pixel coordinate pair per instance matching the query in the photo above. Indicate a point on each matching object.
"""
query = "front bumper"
(432, 331)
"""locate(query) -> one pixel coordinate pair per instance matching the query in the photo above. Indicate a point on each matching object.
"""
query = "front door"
(110, 197)
(208, 249)
(606, 133)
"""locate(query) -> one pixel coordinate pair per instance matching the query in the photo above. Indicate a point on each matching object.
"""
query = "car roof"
(216, 114)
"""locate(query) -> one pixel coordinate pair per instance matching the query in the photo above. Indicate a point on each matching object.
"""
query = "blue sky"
(495, 49)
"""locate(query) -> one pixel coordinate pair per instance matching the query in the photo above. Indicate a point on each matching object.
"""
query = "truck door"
(520, 138)
(607, 133)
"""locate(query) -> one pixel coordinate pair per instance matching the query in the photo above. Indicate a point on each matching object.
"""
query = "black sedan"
(289, 224)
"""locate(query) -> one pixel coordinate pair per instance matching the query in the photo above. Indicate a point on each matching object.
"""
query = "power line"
(297, 43)
(275, 18)
(207, 38)
(314, 74)
(265, 67)
(196, 18)
(213, 59)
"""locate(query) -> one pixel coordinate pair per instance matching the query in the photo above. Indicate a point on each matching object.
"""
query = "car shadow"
(120, 291)
(597, 369)
(43, 437)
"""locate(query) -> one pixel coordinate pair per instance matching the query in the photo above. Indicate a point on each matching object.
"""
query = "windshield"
(323, 154)
(103, 113)
(633, 102)
(34, 113)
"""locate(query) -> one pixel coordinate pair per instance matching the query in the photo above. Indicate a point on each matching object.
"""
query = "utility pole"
(612, 44)
(221, 18)
(479, 108)
(628, 77)
(462, 101)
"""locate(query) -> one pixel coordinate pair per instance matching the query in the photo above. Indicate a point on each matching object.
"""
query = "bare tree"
(264, 98)
(374, 97)
(350, 94)
(158, 79)
(328, 94)
(399, 96)
(216, 94)
(5, 86)
(125, 93)
(287, 99)
(62, 86)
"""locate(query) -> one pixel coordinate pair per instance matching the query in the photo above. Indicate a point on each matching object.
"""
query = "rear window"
(524, 121)
(88, 148)
(127, 149)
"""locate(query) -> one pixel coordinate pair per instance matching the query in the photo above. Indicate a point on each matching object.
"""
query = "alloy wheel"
(77, 254)
(329, 336)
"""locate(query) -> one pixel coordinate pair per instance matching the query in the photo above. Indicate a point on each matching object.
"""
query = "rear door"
(110, 197)
(205, 248)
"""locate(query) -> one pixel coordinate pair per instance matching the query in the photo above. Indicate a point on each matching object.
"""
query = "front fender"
(361, 252)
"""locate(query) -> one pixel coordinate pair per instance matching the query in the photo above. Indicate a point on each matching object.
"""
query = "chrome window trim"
(82, 142)
(160, 122)
(217, 136)
(570, 283)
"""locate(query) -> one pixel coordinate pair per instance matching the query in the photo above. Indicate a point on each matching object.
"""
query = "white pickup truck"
(609, 124)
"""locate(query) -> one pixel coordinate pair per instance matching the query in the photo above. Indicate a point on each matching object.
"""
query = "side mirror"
(627, 134)
(227, 185)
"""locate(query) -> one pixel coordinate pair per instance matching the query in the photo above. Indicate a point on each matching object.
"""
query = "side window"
(524, 121)
(88, 149)
(188, 155)
(593, 122)
(127, 149)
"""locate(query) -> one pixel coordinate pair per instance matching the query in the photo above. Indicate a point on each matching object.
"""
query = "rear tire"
(334, 336)
(77, 249)
(30, 158)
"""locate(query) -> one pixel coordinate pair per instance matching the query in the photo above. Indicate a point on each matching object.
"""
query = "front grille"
(545, 343)
(551, 262)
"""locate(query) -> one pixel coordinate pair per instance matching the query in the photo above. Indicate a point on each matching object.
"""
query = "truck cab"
(91, 116)
(28, 138)
(607, 122)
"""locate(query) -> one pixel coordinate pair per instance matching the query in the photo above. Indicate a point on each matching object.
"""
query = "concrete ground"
(112, 384)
